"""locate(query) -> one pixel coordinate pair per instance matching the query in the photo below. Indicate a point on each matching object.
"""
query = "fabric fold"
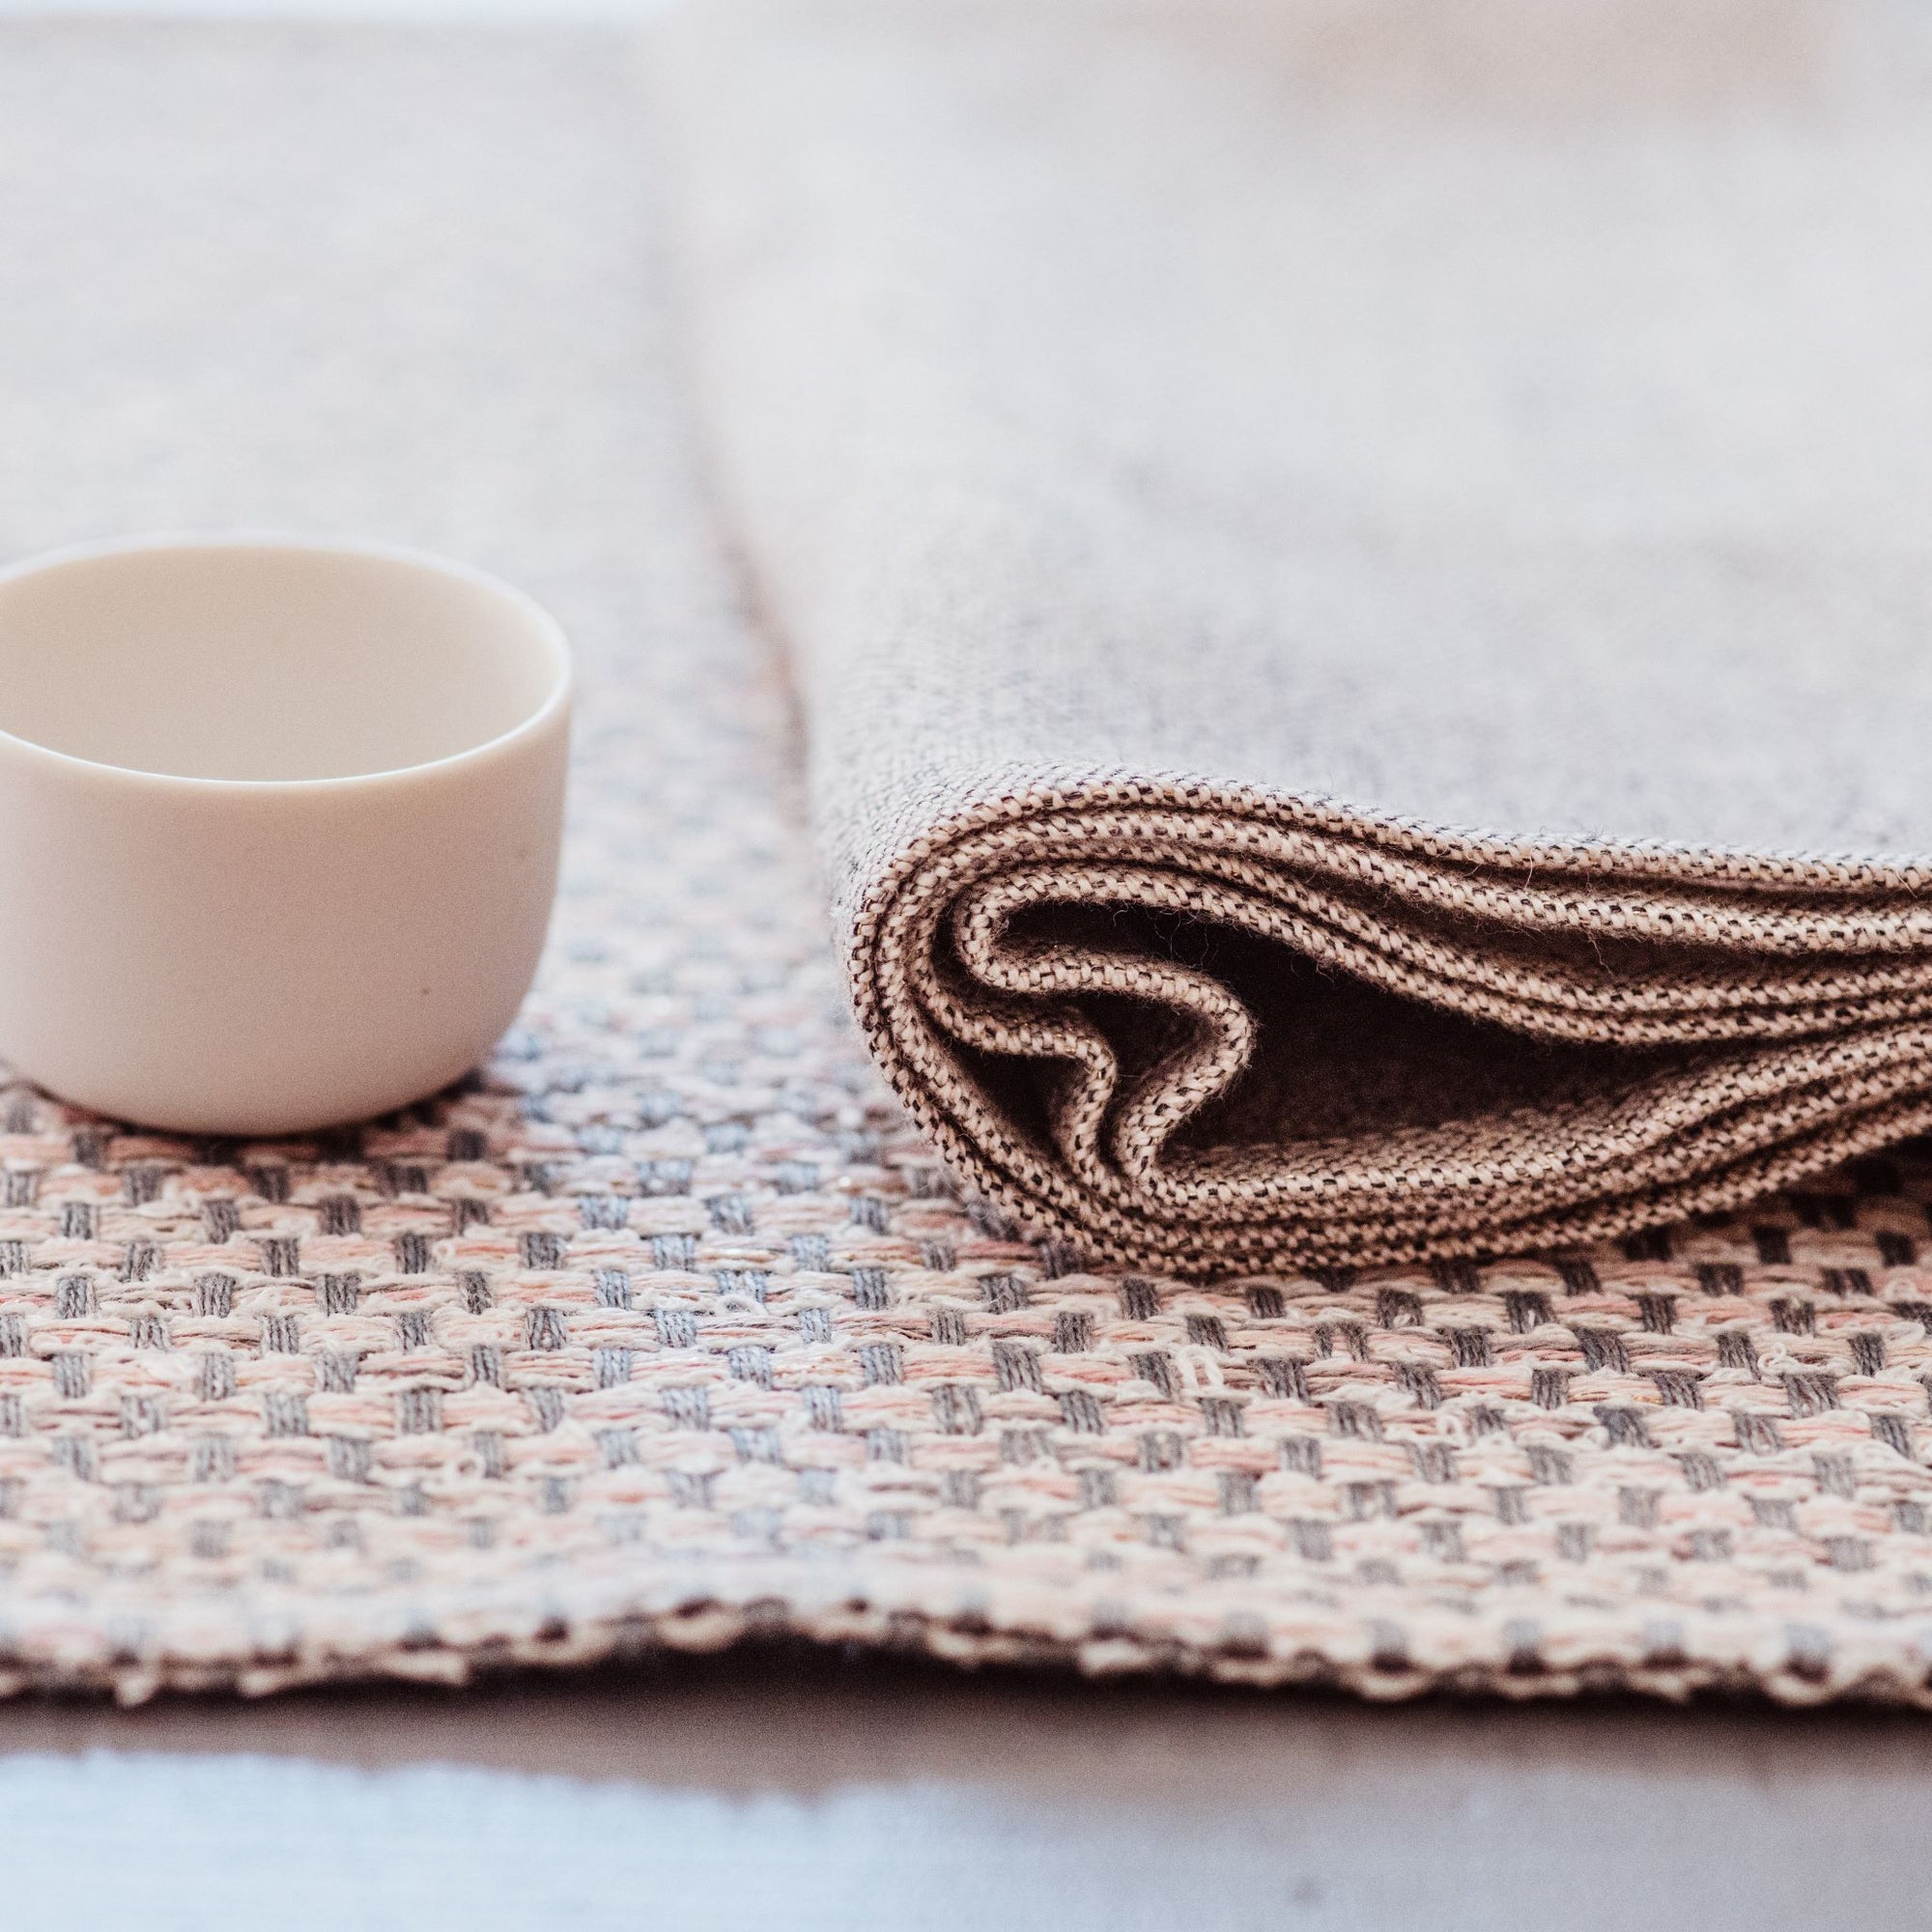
(1363, 636)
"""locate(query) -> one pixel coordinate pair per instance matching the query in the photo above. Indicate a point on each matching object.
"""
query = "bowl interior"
(267, 662)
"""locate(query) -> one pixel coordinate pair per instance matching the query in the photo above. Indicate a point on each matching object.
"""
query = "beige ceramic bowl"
(278, 825)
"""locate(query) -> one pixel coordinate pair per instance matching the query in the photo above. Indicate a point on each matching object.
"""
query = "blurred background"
(559, 11)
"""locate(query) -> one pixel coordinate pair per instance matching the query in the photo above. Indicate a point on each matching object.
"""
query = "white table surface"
(804, 1793)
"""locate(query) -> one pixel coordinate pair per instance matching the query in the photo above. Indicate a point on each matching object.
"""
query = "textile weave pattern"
(667, 1332)
(481, 1385)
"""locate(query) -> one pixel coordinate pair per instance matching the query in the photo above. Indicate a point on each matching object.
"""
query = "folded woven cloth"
(1360, 587)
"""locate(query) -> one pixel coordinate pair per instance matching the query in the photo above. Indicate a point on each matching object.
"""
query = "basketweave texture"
(666, 1331)
(620, 1360)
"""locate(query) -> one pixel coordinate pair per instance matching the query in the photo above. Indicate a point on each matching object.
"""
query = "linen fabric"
(669, 1332)
(1359, 584)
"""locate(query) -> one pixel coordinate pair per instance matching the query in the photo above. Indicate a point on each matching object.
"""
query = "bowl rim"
(557, 700)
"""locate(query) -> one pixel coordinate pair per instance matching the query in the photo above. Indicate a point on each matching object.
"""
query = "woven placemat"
(665, 1332)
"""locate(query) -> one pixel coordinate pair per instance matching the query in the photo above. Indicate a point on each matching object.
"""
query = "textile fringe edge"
(1790, 1664)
